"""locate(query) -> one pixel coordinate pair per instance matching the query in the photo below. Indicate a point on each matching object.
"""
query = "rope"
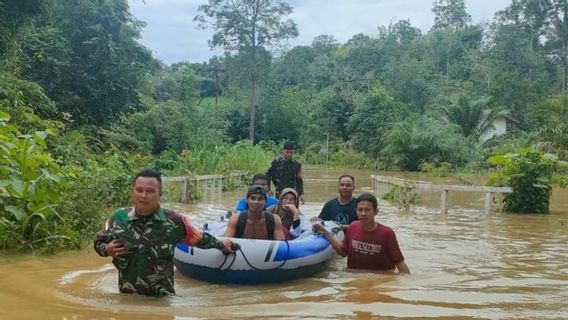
(238, 249)
(269, 269)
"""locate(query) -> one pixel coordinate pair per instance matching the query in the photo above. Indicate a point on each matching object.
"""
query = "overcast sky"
(172, 35)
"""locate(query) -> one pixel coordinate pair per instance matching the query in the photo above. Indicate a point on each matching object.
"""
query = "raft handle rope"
(237, 248)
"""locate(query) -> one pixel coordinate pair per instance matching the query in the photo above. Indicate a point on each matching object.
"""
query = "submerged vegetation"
(84, 105)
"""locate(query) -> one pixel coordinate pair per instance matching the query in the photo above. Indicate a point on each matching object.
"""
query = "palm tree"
(473, 117)
(550, 117)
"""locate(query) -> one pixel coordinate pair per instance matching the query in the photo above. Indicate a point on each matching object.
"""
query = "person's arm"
(102, 239)
(298, 226)
(278, 232)
(270, 173)
(232, 226)
(300, 182)
(402, 267)
(395, 254)
(204, 240)
(337, 246)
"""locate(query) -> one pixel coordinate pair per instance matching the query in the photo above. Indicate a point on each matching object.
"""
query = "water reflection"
(465, 265)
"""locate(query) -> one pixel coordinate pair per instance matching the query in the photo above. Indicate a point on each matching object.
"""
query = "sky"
(173, 36)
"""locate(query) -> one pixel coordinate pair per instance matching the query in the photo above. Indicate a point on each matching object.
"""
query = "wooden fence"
(382, 185)
(205, 182)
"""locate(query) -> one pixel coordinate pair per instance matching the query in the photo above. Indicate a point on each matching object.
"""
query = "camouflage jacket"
(286, 174)
(148, 267)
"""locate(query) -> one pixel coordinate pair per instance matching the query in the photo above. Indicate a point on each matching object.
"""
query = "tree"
(14, 14)
(244, 26)
(324, 44)
(450, 14)
(372, 118)
(530, 15)
(473, 117)
(417, 140)
(86, 56)
(549, 121)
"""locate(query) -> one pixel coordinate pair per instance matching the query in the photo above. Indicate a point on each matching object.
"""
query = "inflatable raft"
(257, 261)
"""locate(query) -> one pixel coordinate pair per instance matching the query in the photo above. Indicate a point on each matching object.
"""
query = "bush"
(31, 184)
(418, 140)
(339, 155)
(529, 173)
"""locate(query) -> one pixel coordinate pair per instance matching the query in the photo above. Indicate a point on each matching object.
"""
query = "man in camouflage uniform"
(286, 172)
(141, 240)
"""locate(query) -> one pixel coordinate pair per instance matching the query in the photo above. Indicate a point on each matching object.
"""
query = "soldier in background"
(285, 172)
(141, 240)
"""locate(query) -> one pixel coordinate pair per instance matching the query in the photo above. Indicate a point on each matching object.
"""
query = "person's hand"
(314, 219)
(115, 248)
(302, 200)
(318, 228)
(228, 246)
(292, 208)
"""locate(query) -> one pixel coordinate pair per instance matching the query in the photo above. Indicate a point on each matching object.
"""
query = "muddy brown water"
(465, 265)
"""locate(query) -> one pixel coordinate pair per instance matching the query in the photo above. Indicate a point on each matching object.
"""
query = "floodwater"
(465, 265)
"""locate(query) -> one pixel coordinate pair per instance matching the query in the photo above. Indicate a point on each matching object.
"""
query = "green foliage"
(247, 27)
(450, 14)
(401, 199)
(373, 118)
(85, 56)
(31, 184)
(550, 121)
(438, 170)
(529, 173)
(103, 183)
(242, 156)
(473, 117)
(164, 126)
(340, 155)
(26, 101)
(417, 140)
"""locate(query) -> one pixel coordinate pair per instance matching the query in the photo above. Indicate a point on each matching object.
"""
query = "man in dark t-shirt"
(342, 209)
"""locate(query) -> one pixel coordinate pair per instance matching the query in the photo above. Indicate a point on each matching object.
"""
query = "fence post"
(183, 197)
(488, 202)
(406, 197)
(444, 202)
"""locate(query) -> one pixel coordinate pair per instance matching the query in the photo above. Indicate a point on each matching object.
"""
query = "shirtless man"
(255, 223)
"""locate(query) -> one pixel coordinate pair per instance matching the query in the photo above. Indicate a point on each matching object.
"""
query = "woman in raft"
(288, 211)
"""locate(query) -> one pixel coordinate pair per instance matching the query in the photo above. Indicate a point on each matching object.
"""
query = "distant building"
(501, 125)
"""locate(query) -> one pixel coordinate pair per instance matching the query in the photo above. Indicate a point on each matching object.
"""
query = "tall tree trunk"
(252, 109)
(252, 126)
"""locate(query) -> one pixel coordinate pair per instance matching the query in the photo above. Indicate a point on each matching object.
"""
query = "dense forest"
(83, 104)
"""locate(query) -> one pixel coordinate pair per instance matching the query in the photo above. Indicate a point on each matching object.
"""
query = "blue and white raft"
(257, 261)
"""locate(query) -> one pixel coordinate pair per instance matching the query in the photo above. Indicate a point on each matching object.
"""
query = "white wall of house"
(499, 129)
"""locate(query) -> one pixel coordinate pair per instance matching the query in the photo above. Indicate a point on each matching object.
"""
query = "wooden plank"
(464, 188)
(427, 186)
(201, 178)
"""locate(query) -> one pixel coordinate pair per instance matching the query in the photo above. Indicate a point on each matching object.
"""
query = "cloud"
(173, 36)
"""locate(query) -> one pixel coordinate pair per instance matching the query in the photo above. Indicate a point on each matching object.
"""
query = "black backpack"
(242, 222)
